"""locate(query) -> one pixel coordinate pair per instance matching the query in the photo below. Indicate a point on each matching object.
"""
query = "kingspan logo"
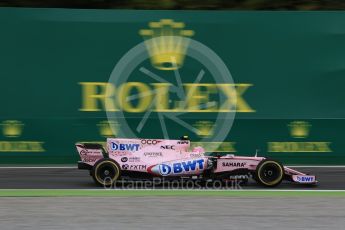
(124, 147)
(179, 167)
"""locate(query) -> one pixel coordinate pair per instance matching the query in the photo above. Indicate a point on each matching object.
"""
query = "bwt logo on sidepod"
(178, 167)
(124, 147)
(164, 169)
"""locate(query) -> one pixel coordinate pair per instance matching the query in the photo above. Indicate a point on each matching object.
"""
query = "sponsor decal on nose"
(304, 178)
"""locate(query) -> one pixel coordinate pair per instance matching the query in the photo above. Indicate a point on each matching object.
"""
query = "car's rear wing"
(89, 154)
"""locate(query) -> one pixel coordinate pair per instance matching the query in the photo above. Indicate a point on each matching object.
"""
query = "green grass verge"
(161, 193)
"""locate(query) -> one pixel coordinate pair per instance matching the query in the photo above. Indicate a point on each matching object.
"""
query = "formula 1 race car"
(152, 158)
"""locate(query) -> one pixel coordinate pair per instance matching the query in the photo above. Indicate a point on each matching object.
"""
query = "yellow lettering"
(21, 146)
(144, 97)
(197, 100)
(161, 96)
(232, 92)
(299, 147)
(136, 97)
(323, 146)
(96, 94)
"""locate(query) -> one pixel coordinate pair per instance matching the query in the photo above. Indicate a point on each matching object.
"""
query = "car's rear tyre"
(269, 173)
(106, 172)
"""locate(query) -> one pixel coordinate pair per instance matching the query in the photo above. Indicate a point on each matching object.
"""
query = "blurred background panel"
(289, 67)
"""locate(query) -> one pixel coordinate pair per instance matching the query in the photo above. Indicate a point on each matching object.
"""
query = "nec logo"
(124, 147)
(168, 147)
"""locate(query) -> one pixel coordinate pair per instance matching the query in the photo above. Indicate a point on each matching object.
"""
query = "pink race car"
(151, 158)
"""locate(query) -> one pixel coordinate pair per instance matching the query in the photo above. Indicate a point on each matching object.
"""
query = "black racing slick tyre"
(269, 173)
(106, 172)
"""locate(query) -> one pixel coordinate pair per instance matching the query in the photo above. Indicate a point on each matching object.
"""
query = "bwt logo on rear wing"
(124, 147)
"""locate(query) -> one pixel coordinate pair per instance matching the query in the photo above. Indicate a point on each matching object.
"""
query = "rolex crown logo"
(12, 128)
(299, 129)
(204, 128)
(166, 43)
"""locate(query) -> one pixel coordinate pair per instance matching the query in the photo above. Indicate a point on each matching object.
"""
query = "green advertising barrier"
(235, 82)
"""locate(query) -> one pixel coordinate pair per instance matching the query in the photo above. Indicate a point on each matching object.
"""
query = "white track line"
(316, 166)
(201, 190)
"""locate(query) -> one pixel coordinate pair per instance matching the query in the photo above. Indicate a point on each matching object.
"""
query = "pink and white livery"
(151, 158)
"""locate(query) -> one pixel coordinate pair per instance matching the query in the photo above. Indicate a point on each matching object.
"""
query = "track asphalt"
(67, 198)
(72, 178)
(190, 213)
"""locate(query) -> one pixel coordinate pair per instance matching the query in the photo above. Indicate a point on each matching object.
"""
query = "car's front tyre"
(269, 173)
